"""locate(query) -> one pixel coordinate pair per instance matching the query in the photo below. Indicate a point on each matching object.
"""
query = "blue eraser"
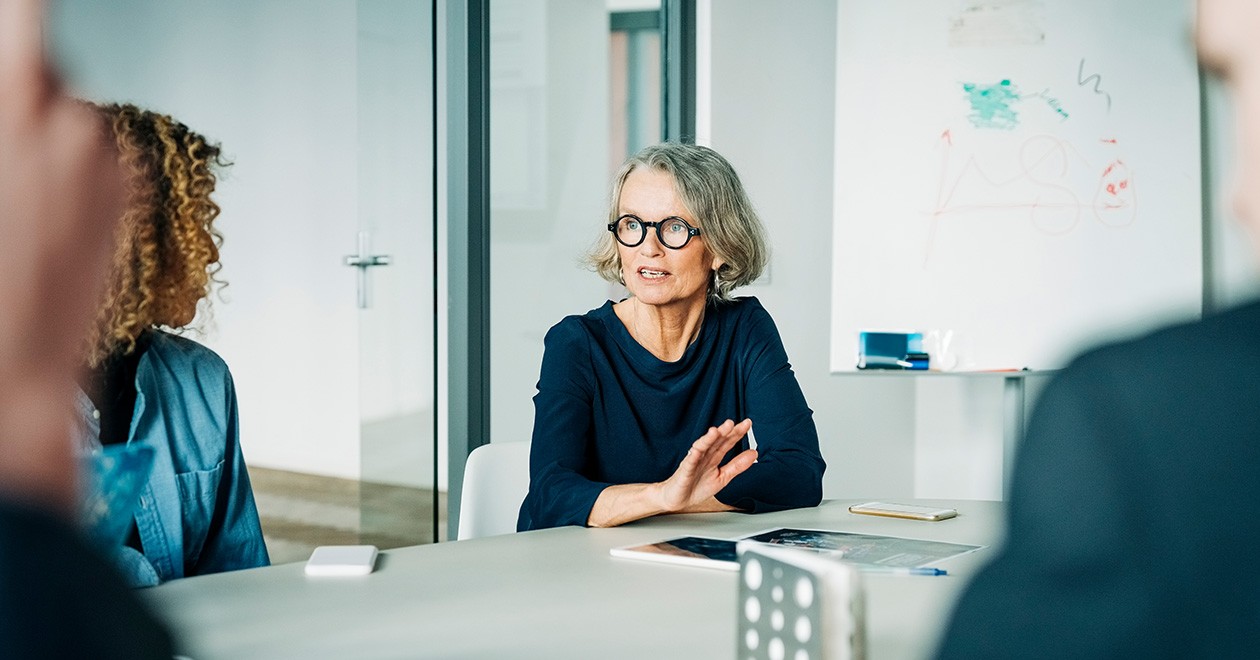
(888, 350)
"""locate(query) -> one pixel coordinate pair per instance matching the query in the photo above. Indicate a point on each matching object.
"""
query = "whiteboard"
(1020, 177)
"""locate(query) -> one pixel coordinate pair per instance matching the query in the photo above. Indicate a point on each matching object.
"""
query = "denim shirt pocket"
(197, 494)
(135, 568)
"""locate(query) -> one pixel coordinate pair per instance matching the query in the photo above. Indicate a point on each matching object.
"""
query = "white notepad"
(341, 560)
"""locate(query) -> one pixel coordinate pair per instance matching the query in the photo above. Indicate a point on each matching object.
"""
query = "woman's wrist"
(711, 505)
(655, 494)
(623, 503)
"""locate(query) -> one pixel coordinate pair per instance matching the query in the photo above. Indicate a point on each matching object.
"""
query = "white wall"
(549, 183)
(1232, 278)
(773, 82)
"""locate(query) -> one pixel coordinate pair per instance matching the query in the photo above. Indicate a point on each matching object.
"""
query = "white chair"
(496, 479)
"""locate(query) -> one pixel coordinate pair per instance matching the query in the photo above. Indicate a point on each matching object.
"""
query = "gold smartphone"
(909, 511)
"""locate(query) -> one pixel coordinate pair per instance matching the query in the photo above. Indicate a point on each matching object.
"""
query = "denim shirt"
(197, 513)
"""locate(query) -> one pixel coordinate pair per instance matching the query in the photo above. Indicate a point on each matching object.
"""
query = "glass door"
(399, 487)
(574, 86)
(324, 108)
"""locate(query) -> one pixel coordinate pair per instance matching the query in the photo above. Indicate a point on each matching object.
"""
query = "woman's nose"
(651, 244)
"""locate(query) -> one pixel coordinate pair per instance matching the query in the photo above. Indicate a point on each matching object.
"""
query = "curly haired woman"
(146, 385)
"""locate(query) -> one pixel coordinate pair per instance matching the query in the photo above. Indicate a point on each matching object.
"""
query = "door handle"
(363, 261)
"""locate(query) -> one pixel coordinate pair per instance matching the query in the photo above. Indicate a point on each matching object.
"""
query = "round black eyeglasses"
(673, 232)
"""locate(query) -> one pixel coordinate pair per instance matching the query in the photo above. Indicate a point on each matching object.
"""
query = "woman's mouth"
(652, 274)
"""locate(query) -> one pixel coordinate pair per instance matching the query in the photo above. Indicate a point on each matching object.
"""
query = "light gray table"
(553, 594)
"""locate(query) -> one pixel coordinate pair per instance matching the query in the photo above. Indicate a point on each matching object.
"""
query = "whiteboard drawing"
(1009, 171)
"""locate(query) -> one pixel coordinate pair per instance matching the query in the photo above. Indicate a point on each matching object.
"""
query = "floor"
(302, 511)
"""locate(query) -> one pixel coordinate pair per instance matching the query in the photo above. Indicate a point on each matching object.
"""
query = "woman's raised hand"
(690, 489)
(700, 476)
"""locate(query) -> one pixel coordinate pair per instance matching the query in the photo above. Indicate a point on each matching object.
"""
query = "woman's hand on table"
(692, 487)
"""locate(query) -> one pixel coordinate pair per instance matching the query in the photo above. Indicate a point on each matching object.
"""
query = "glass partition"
(574, 87)
(324, 109)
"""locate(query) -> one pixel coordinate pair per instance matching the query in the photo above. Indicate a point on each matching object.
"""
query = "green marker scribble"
(992, 105)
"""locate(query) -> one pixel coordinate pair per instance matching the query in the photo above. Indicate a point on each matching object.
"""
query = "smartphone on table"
(909, 511)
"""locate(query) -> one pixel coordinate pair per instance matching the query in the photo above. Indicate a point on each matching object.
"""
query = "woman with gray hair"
(636, 403)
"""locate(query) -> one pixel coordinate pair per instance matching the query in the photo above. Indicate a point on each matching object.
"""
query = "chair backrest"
(496, 479)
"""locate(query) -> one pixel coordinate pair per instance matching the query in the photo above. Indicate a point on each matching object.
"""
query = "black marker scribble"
(1080, 71)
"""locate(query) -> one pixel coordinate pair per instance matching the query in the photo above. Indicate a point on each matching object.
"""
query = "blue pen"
(903, 570)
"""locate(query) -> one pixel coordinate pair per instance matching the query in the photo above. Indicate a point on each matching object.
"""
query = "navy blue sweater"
(609, 412)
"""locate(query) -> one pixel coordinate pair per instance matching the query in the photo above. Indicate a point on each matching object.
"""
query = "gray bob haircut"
(709, 187)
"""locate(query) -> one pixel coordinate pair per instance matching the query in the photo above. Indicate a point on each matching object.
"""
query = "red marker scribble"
(1046, 162)
(1118, 206)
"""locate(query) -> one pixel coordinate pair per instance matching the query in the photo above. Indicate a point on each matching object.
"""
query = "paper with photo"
(866, 549)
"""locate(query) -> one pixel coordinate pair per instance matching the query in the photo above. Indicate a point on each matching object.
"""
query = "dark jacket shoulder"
(1218, 341)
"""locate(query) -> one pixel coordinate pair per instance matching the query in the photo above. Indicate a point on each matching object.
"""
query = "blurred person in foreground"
(1132, 530)
(60, 193)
